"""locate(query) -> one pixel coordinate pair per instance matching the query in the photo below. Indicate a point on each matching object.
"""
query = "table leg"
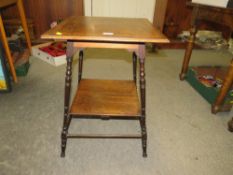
(135, 67)
(188, 53)
(24, 23)
(224, 89)
(7, 50)
(67, 117)
(143, 99)
(80, 70)
(230, 125)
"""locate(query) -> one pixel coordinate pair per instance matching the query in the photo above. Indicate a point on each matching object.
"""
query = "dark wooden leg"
(67, 117)
(230, 125)
(80, 70)
(188, 53)
(224, 89)
(135, 67)
(143, 99)
(153, 48)
(144, 135)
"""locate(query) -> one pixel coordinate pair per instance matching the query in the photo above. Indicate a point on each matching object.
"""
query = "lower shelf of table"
(115, 98)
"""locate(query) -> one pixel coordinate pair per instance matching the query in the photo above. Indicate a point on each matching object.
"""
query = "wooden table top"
(106, 29)
(4, 3)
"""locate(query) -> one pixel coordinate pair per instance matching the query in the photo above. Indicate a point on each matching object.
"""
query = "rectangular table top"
(107, 29)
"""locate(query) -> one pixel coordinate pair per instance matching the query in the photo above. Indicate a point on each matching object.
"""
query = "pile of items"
(210, 81)
(207, 39)
(20, 52)
(53, 53)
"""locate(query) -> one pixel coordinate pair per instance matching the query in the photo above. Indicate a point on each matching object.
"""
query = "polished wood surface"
(106, 29)
(106, 98)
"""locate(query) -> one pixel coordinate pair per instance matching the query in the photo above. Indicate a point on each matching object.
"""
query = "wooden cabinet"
(43, 12)
(177, 18)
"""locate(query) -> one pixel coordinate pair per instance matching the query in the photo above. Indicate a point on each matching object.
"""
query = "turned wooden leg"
(143, 100)
(144, 136)
(188, 53)
(230, 125)
(135, 67)
(224, 90)
(24, 23)
(67, 117)
(80, 70)
(7, 50)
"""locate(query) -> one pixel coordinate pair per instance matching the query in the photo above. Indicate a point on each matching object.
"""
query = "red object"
(55, 49)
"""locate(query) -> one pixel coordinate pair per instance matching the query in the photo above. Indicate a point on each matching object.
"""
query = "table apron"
(139, 49)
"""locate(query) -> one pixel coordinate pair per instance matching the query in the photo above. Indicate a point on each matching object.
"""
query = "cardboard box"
(55, 61)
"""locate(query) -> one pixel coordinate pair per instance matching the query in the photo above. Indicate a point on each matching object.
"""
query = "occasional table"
(19, 3)
(105, 99)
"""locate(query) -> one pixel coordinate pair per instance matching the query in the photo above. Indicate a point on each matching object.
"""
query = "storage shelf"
(115, 98)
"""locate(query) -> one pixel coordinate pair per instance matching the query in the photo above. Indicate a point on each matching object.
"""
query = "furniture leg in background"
(24, 24)
(7, 51)
(189, 48)
(188, 53)
(230, 125)
(224, 90)
(19, 3)
(217, 105)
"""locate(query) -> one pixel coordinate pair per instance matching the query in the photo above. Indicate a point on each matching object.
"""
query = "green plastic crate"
(208, 93)
(22, 70)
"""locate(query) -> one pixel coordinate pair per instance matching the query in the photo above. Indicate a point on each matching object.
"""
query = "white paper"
(217, 3)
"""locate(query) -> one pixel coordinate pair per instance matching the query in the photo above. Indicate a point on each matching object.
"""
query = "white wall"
(120, 8)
